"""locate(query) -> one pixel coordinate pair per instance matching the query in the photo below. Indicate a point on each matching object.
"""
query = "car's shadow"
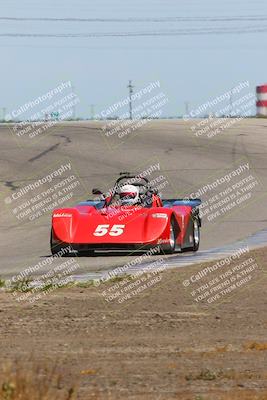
(102, 254)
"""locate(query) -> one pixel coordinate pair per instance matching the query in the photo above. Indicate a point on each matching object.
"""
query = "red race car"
(131, 216)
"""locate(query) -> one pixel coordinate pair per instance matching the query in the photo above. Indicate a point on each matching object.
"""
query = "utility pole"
(92, 110)
(130, 86)
(231, 103)
(186, 104)
(73, 107)
(4, 113)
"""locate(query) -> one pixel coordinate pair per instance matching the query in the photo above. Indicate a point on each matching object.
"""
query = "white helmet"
(129, 195)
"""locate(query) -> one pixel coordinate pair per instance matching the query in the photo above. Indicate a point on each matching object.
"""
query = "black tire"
(196, 223)
(196, 235)
(170, 247)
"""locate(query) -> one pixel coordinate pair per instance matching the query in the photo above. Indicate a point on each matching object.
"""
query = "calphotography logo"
(132, 279)
(38, 116)
(222, 112)
(146, 104)
(43, 194)
(227, 193)
(214, 283)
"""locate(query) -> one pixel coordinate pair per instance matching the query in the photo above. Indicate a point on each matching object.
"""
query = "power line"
(181, 32)
(148, 19)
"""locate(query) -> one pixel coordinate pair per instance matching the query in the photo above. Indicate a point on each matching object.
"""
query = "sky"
(216, 45)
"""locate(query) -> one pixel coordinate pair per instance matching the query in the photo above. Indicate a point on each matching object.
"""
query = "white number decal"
(116, 230)
(102, 230)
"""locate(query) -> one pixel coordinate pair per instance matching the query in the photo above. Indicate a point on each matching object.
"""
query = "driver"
(129, 195)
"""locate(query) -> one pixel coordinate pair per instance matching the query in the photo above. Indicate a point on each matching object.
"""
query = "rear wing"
(181, 202)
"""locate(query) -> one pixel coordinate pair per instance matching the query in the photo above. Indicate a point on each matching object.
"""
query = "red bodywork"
(120, 227)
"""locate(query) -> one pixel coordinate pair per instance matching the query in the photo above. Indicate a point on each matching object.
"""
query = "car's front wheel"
(170, 247)
(59, 249)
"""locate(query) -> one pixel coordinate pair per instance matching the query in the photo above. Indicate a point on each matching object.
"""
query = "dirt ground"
(161, 344)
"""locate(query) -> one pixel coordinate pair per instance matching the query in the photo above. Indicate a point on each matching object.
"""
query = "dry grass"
(30, 381)
(239, 395)
(255, 346)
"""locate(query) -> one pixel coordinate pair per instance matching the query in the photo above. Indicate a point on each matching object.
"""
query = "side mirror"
(96, 191)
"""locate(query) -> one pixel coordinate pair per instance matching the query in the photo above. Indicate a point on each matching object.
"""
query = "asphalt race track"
(186, 163)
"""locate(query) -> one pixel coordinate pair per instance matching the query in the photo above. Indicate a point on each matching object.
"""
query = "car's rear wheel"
(196, 235)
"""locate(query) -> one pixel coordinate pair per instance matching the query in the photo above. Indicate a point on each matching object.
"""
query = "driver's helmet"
(129, 195)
